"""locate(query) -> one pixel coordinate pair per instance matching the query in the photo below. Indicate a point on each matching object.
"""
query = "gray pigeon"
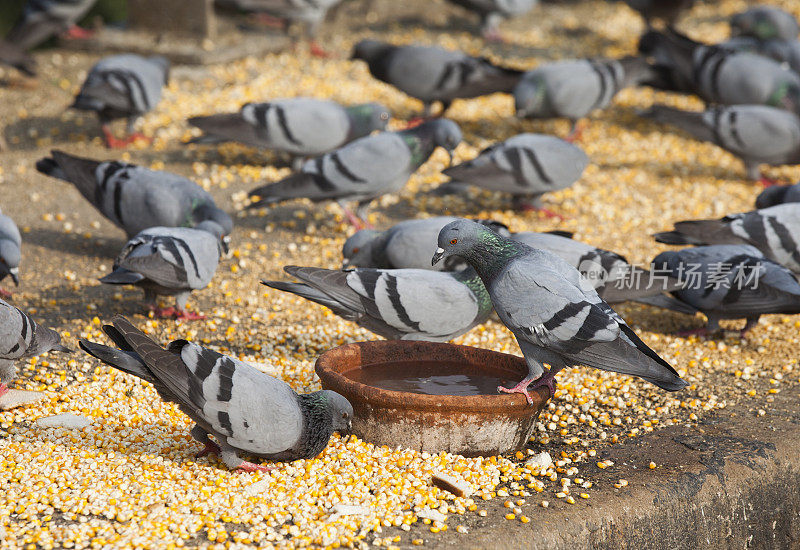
(493, 12)
(309, 13)
(243, 408)
(406, 245)
(667, 11)
(526, 166)
(778, 194)
(21, 337)
(757, 134)
(169, 261)
(10, 254)
(783, 51)
(775, 231)
(302, 127)
(364, 169)
(556, 318)
(431, 73)
(572, 89)
(720, 75)
(123, 86)
(43, 19)
(610, 274)
(398, 304)
(135, 198)
(730, 282)
(765, 23)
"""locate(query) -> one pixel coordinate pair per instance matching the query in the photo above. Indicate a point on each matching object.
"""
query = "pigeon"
(775, 231)
(10, 254)
(309, 13)
(398, 304)
(610, 274)
(573, 88)
(43, 19)
(170, 261)
(363, 169)
(493, 12)
(431, 73)
(243, 408)
(783, 51)
(719, 75)
(667, 11)
(13, 56)
(526, 166)
(555, 317)
(406, 245)
(302, 127)
(757, 134)
(732, 281)
(21, 337)
(123, 86)
(778, 194)
(136, 198)
(765, 23)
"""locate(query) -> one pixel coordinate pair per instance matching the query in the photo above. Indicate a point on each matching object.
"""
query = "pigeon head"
(370, 50)
(213, 227)
(530, 97)
(368, 117)
(442, 132)
(772, 196)
(357, 250)
(459, 238)
(211, 212)
(341, 411)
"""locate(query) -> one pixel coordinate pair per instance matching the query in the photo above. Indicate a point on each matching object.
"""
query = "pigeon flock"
(424, 278)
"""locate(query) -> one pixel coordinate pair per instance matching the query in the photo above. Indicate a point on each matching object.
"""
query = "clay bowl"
(470, 425)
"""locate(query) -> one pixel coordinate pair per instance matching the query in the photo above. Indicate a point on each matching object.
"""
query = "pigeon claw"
(186, 315)
(317, 51)
(250, 467)
(77, 33)
(522, 388)
(209, 449)
(3, 390)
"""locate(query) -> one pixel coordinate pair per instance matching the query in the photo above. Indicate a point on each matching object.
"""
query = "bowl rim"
(502, 403)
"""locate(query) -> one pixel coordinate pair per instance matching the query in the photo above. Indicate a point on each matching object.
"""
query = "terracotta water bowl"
(485, 423)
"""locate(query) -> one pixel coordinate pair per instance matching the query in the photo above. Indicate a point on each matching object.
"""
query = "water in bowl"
(431, 378)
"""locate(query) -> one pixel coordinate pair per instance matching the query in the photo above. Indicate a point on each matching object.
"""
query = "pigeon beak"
(437, 256)
(345, 263)
(450, 154)
(14, 272)
(226, 244)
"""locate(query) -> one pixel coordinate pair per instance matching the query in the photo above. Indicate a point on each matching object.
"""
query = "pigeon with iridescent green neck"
(765, 23)
(398, 304)
(244, 409)
(301, 127)
(556, 318)
(364, 169)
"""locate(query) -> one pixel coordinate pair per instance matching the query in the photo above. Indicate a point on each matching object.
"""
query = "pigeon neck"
(490, 253)
(473, 281)
(317, 424)
(420, 145)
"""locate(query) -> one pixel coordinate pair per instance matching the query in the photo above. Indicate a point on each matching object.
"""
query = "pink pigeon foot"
(78, 33)
(186, 315)
(768, 182)
(494, 36)
(210, 448)
(527, 207)
(548, 380)
(317, 51)
(575, 134)
(3, 390)
(250, 467)
(703, 331)
(522, 388)
(6, 295)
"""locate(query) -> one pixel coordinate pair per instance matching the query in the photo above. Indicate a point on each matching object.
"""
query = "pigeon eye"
(355, 250)
(453, 241)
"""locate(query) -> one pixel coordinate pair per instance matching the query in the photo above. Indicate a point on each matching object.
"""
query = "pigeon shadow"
(104, 248)
(28, 133)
